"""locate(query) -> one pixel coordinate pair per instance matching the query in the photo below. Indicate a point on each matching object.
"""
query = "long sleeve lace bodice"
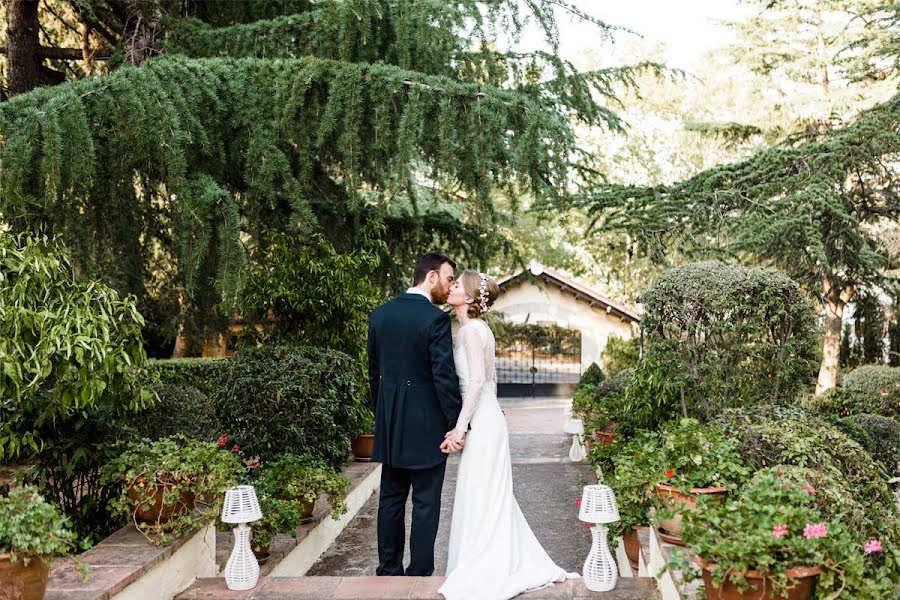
(475, 342)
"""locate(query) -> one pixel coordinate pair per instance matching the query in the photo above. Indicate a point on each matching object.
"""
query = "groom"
(415, 388)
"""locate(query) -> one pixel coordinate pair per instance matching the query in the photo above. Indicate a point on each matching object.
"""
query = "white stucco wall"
(540, 302)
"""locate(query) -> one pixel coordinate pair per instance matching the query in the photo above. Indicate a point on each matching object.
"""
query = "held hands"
(451, 446)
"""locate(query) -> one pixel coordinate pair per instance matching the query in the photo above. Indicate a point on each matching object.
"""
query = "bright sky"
(685, 29)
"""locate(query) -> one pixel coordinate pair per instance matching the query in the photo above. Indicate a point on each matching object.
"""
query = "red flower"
(578, 502)
(255, 465)
(670, 473)
(587, 525)
(223, 439)
(235, 448)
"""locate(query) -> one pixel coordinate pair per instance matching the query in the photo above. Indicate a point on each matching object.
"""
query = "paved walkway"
(546, 485)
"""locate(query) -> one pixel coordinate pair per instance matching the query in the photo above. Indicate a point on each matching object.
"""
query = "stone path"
(546, 485)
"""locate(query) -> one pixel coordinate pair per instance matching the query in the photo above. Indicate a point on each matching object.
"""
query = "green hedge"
(884, 434)
(870, 389)
(780, 435)
(722, 336)
(204, 374)
(179, 408)
(289, 399)
(591, 376)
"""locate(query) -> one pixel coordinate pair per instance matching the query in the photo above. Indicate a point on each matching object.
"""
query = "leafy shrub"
(780, 435)
(635, 466)
(303, 478)
(697, 456)
(178, 409)
(884, 434)
(602, 406)
(30, 526)
(878, 387)
(71, 364)
(620, 354)
(290, 399)
(185, 466)
(591, 376)
(204, 374)
(771, 526)
(726, 336)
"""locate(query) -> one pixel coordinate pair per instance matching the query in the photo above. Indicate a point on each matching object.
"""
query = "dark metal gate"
(537, 360)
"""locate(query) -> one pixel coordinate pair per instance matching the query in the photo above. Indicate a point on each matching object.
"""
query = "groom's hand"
(451, 446)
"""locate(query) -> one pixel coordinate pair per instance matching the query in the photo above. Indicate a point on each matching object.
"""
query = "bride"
(493, 554)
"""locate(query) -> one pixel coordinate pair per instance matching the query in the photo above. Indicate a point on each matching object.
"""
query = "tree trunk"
(835, 300)
(26, 69)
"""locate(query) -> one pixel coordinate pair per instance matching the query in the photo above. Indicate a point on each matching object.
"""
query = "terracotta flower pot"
(605, 437)
(761, 586)
(677, 500)
(307, 510)
(632, 547)
(19, 581)
(153, 510)
(362, 446)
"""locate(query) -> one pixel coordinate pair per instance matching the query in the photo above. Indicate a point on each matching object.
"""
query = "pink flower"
(223, 439)
(810, 489)
(235, 448)
(816, 530)
(779, 530)
(873, 546)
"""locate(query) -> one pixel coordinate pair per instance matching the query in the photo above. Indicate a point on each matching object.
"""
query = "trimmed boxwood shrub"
(877, 389)
(884, 434)
(591, 376)
(203, 374)
(289, 399)
(781, 435)
(725, 336)
(178, 409)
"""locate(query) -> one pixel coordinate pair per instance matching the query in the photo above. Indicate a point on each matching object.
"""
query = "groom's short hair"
(430, 261)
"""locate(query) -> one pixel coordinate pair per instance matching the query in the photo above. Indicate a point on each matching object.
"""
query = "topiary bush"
(780, 435)
(289, 399)
(204, 374)
(178, 409)
(723, 336)
(876, 386)
(591, 376)
(884, 434)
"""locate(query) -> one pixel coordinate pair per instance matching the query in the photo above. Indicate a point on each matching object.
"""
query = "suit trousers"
(427, 485)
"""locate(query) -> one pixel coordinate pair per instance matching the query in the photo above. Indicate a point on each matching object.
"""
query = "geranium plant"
(303, 478)
(31, 528)
(771, 526)
(635, 467)
(193, 476)
(699, 456)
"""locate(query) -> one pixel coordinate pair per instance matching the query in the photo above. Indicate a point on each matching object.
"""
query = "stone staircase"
(397, 588)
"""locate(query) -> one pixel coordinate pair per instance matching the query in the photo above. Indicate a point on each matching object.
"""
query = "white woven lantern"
(577, 452)
(598, 507)
(241, 507)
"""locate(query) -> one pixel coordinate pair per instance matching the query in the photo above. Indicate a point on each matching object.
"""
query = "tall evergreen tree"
(812, 209)
(317, 117)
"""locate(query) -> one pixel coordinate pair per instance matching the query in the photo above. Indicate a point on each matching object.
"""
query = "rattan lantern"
(241, 507)
(598, 508)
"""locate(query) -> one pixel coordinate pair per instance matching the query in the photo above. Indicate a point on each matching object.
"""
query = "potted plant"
(697, 461)
(302, 479)
(768, 541)
(279, 517)
(633, 471)
(363, 441)
(31, 532)
(166, 480)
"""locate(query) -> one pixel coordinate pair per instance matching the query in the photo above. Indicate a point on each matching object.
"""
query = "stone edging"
(125, 558)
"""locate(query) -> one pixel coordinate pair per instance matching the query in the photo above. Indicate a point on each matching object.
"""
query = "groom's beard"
(439, 296)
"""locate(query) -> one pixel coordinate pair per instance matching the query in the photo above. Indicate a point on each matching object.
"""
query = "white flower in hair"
(483, 293)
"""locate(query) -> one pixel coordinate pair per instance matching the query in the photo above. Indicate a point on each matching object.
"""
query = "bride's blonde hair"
(482, 289)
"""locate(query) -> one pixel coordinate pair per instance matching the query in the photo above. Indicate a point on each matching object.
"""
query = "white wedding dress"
(493, 553)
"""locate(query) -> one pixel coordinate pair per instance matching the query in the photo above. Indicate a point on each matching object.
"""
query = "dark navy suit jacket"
(413, 382)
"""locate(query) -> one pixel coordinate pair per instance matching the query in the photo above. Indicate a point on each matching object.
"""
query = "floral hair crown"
(483, 293)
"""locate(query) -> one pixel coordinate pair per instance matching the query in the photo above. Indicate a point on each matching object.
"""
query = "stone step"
(397, 588)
